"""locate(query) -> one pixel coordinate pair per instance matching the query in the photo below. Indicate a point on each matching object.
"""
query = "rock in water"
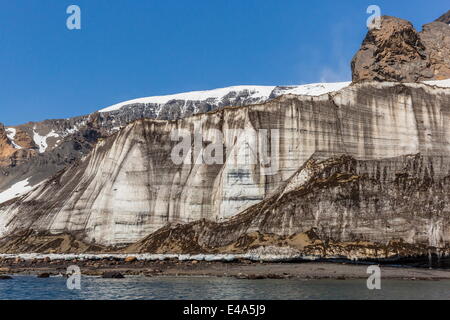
(112, 275)
(44, 275)
(5, 277)
(397, 52)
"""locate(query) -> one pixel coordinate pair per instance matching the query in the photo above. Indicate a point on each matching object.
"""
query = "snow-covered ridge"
(316, 89)
(256, 93)
(439, 83)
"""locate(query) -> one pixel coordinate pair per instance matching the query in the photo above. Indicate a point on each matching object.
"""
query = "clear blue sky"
(134, 48)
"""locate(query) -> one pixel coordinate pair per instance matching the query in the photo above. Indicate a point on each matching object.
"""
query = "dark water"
(29, 287)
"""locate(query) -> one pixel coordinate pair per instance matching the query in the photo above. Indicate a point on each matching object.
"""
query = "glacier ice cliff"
(362, 172)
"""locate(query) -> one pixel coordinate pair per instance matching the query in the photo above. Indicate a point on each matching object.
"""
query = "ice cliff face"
(128, 187)
(36, 151)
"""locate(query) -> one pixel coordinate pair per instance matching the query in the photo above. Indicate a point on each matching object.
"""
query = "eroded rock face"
(6, 147)
(374, 209)
(436, 38)
(30, 242)
(17, 151)
(397, 52)
(128, 187)
(43, 149)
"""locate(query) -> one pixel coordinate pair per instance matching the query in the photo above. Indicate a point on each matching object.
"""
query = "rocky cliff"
(397, 52)
(333, 208)
(445, 18)
(359, 168)
(15, 147)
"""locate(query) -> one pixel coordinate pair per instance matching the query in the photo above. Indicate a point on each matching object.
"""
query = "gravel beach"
(238, 269)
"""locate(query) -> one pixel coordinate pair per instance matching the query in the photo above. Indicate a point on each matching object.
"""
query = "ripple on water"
(135, 288)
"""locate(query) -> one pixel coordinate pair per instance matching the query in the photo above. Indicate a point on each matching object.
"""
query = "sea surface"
(203, 288)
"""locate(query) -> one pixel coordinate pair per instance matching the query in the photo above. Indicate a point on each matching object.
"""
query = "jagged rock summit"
(445, 18)
(398, 52)
(15, 147)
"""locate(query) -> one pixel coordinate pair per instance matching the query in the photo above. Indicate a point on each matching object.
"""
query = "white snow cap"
(439, 83)
(259, 93)
(317, 89)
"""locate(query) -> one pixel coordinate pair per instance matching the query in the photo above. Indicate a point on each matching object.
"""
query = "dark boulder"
(112, 275)
(44, 275)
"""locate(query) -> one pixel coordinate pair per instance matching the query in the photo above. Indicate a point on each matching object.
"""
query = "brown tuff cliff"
(380, 209)
(17, 152)
(397, 52)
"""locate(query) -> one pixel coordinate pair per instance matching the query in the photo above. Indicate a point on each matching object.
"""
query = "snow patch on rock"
(316, 89)
(15, 190)
(11, 134)
(41, 141)
(257, 92)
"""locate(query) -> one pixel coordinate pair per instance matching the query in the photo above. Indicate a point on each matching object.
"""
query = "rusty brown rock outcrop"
(12, 155)
(397, 52)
